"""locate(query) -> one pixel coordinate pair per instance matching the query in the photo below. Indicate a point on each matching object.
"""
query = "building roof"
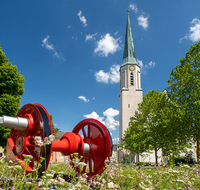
(129, 50)
(59, 135)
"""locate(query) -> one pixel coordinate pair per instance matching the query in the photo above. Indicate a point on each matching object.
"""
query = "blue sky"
(70, 51)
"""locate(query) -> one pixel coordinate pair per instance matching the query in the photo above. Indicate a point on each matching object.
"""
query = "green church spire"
(129, 51)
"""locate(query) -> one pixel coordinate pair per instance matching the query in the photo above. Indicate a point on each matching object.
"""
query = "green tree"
(11, 88)
(155, 125)
(184, 90)
(54, 129)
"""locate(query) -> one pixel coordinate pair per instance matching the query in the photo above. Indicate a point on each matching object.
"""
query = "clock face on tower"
(131, 68)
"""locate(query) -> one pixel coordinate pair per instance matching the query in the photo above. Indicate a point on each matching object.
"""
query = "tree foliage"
(155, 125)
(184, 89)
(54, 129)
(11, 88)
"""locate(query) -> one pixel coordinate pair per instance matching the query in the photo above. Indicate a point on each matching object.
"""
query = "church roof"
(129, 51)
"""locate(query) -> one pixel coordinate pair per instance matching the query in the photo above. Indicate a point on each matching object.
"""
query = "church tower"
(131, 93)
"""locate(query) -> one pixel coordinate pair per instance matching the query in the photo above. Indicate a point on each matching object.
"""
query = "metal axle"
(18, 123)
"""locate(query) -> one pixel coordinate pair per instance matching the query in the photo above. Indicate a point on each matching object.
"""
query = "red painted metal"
(89, 131)
(22, 143)
(69, 144)
(96, 135)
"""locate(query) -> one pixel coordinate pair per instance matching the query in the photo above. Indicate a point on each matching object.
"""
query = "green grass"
(115, 176)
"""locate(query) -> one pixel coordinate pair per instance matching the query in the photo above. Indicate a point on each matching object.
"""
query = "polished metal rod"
(86, 148)
(17, 123)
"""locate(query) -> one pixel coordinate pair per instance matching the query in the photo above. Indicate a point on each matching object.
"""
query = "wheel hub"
(20, 144)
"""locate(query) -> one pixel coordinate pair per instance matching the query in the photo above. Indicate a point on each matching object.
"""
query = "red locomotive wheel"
(22, 142)
(97, 136)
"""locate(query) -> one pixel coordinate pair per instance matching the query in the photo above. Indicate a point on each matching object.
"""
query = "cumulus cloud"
(134, 7)
(143, 21)
(82, 18)
(144, 68)
(90, 37)
(108, 120)
(46, 44)
(94, 115)
(107, 44)
(194, 31)
(83, 98)
(101, 76)
(112, 76)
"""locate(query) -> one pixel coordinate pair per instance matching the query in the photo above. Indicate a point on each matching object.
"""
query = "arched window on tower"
(131, 79)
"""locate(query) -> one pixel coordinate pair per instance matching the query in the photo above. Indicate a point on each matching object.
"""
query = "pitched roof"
(59, 135)
(129, 50)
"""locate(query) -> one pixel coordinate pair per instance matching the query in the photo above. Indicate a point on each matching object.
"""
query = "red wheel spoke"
(86, 160)
(90, 165)
(84, 133)
(89, 132)
(96, 164)
(84, 168)
(32, 153)
(97, 135)
(33, 145)
(38, 134)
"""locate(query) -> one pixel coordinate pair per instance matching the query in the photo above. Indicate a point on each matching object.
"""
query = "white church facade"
(131, 93)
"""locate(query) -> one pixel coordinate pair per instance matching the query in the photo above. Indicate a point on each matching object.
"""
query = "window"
(132, 79)
(128, 105)
(61, 157)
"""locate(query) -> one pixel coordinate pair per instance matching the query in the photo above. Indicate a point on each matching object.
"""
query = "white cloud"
(116, 33)
(112, 76)
(46, 44)
(115, 141)
(144, 68)
(90, 37)
(94, 115)
(134, 7)
(109, 121)
(143, 21)
(151, 64)
(194, 32)
(83, 98)
(140, 63)
(82, 18)
(107, 44)
(101, 76)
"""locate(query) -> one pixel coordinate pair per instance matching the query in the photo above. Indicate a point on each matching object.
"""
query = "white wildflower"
(111, 185)
(49, 175)
(61, 179)
(186, 166)
(175, 171)
(52, 138)
(179, 180)
(38, 140)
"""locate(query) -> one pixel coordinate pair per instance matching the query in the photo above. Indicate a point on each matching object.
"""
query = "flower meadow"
(115, 176)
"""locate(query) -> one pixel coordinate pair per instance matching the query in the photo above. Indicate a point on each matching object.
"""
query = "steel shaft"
(17, 123)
